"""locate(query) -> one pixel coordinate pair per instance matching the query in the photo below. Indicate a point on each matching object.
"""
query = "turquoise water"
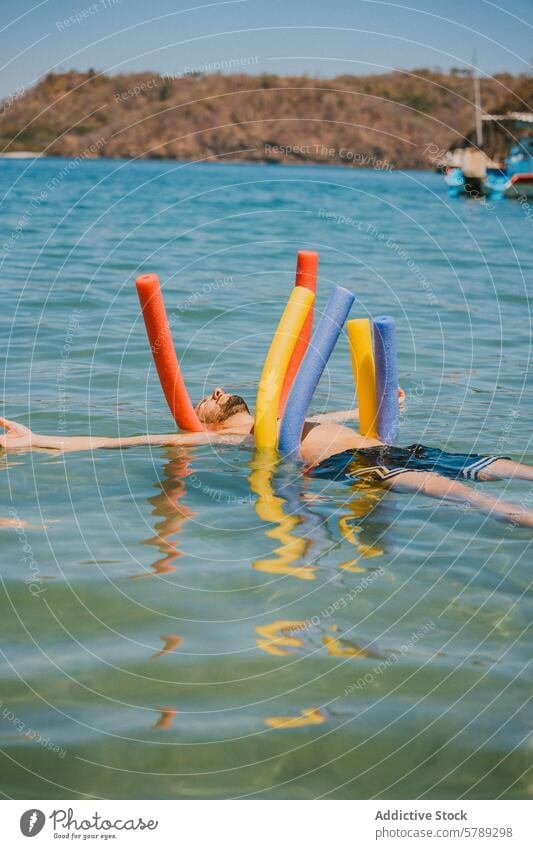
(181, 624)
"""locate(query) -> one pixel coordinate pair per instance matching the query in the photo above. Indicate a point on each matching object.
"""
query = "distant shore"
(382, 121)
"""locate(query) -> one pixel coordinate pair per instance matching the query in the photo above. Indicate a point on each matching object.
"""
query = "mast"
(477, 104)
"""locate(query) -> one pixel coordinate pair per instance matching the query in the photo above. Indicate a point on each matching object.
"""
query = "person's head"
(222, 411)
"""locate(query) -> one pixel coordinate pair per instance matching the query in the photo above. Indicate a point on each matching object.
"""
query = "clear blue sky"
(321, 37)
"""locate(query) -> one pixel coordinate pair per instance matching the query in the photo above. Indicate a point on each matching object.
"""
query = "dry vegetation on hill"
(389, 118)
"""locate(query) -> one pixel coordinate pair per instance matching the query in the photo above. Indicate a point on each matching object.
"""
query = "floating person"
(329, 450)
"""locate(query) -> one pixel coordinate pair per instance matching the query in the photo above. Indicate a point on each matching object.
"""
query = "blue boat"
(515, 180)
(467, 178)
(477, 169)
(455, 180)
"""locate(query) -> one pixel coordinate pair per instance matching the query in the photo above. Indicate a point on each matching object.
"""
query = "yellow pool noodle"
(364, 373)
(276, 363)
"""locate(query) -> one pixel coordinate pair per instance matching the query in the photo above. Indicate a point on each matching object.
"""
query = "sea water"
(188, 624)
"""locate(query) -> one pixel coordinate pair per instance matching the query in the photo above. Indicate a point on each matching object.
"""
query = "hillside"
(389, 120)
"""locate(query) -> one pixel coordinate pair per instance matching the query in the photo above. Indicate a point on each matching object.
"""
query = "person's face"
(219, 406)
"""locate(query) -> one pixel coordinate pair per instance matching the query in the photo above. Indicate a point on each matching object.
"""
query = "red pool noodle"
(306, 271)
(164, 354)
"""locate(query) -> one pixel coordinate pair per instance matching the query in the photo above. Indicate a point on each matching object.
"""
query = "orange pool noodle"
(306, 272)
(164, 354)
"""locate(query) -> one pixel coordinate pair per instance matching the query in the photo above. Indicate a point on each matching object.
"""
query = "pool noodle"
(312, 367)
(164, 354)
(386, 361)
(364, 373)
(275, 367)
(306, 272)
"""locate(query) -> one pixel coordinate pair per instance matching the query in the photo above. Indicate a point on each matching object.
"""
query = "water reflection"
(300, 526)
(270, 507)
(14, 520)
(278, 639)
(362, 524)
(308, 716)
(167, 504)
(361, 506)
(164, 723)
(283, 638)
(348, 647)
(170, 644)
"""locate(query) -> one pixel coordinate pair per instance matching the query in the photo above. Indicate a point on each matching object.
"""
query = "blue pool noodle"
(312, 367)
(388, 416)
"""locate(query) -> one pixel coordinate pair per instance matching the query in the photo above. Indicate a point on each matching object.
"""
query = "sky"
(317, 37)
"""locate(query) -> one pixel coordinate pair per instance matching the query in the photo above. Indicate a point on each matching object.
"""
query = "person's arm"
(335, 417)
(340, 416)
(21, 438)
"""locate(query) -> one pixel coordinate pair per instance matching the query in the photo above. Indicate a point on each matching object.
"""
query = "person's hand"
(401, 399)
(17, 436)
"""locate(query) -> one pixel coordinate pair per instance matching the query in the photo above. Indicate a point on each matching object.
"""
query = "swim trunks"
(382, 462)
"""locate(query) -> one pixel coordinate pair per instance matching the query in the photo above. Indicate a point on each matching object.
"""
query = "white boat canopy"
(521, 117)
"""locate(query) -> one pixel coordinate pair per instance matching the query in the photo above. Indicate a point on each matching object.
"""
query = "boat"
(455, 180)
(475, 168)
(465, 171)
(465, 167)
(516, 179)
